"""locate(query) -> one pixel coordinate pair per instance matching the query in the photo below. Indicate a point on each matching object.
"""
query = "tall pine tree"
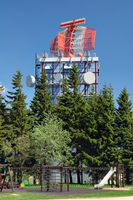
(41, 103)
(70, 108)
(4, 128)
(90, 141)
(19, 144)
(74, 79)
(105, 118)
(124, 127)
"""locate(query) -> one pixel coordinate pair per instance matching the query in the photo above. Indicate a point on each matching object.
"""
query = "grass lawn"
(42, 196)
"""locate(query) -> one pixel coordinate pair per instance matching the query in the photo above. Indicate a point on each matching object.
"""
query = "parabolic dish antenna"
(2, 88)
(30, 81)
(57, 77)
(89, 78)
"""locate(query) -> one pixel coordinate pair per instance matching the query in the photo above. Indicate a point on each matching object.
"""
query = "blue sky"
(26, 27)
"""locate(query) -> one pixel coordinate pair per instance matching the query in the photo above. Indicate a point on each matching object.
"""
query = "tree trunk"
(70, 176)
(78, 177)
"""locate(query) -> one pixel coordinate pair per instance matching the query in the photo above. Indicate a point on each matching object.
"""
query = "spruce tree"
(41, 103)
(69, 100)
(79, 119)
(4, 127)
(106, 148)
(19, 121)
(90, 141)
(3, 109)
(70, 108)
(74, 80)
(2, 133)
(124, 127)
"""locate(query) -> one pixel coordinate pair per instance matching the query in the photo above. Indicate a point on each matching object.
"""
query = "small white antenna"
(2, 88)
(30, 81)
(89, 78)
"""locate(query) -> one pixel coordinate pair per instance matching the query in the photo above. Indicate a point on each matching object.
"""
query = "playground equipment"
(106, 178)
(71, 46)
(6, 178)
(55, 178)
(119, 177)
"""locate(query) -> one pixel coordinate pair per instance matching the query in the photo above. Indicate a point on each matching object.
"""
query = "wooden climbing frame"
(7, 174)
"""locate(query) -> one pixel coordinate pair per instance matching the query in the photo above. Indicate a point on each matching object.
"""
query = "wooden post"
(112, 181)
(41, 177)
(12, 186)
(67, 175)
(117, 177)
(61, 179)
(123, 177)
(2, 183)
(48, 178)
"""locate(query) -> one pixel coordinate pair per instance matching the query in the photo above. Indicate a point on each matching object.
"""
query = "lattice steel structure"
(73, 45)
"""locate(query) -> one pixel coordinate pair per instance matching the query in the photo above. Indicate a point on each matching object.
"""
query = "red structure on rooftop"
(74, 40)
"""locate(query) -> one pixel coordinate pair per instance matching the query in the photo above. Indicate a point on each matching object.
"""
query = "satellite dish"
(67, 66)
(47, 66)
(89, 78)
(57, 77)
(2, 88)
(30, 81)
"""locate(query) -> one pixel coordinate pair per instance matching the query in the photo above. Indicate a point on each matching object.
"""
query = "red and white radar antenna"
(74, 40)
(73, 22)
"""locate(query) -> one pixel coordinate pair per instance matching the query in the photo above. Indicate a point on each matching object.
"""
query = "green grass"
(38, 196)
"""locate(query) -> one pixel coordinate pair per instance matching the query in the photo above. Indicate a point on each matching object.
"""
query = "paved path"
(111, 198)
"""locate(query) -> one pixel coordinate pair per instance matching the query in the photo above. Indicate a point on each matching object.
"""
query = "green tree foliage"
(79, 116)
(3, 116)
(50, 142)
(78, 119)
(105, 118)
(74, 79)
(3, 109)
(124, 128)
(90, 139)
(100, 134)
(41, 103)
(70, 107)
(18, 120)
(4, 127)
(2, 137)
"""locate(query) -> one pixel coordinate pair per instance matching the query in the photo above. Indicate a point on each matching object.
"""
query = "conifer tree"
(41, 103)
(106, 147)
(3, 109)
(74, 79)
(70, 108)
(18, 146)
(90, 141)
(70, 100)
(79, 120)
(4, 127)
(124, 127)
(2, 135)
